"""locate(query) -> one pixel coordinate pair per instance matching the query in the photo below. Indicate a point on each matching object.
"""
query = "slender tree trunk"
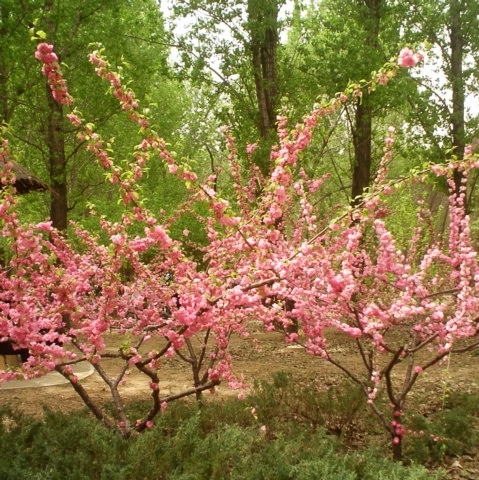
(4, 110)
(264, 126)
(457, 84)
(55, 137)
(362, 140)
(57, 164)
(263, 22)
(362, 130)
(4, 107)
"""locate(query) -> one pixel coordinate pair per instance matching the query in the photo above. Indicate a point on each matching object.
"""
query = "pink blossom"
(383, 79)
(45, 226)
(354, 332)
(118, 239)
(158, 234)
(408, 58)
(173, 169)
(250, 148)
(75, 119)
(51, 70)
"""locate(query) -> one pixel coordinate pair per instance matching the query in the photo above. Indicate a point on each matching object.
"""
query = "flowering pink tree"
(404, 310)
(62, 298)
(271, 258)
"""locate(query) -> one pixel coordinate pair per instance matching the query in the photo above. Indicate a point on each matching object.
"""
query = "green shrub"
(336, 409)
(447, 433)
(60, 446)
(215, 441)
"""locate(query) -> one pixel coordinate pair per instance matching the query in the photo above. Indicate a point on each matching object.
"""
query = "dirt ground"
(258, 357)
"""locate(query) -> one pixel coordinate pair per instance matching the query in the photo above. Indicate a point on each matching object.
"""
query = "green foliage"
(450, 432)
(134, 36)
(336, 408)
(214, 441)
(59, 446)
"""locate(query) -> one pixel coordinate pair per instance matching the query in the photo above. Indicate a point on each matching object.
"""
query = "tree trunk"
(456, 79)
(55, 138)
(4, 106)
(57, 164)
(264, 126)
(362, 139)
(362, 130)
(263, 24)
(397, 450)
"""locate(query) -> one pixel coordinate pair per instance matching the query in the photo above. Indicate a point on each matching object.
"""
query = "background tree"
(323, 55)
(440, 110)
(50, 143)
(233, 46)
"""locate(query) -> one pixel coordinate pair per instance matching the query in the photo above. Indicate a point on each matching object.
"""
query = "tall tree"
(233, 46)
(362, 128)
(55, 139)
(453, 44)
(37, 120)
(334, 42)
(11, 86)
(263, 30)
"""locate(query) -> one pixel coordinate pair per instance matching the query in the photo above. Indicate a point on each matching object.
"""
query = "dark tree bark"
(362, 129)
(456, 79)
(55, 137)
(362, 141)
(6, 108)
(57, 164)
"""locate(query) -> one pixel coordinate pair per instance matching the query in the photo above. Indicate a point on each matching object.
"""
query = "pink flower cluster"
(409, 58)
(51, 70)
(123, 94)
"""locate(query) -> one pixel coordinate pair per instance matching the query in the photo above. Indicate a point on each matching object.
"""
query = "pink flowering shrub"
(403, 311)
(65, 300)
(269, 259)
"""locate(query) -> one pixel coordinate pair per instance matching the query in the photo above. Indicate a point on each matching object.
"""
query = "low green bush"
(59, 446)
(336, 409)
(450, 432)
(214, 440)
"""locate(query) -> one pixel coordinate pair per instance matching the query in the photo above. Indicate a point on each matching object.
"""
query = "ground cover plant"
(269, 258)
(217, 441)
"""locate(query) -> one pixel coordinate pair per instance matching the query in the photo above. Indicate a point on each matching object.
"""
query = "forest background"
(237, 64)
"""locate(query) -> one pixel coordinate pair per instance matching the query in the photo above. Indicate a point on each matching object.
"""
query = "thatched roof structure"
(25, 181)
